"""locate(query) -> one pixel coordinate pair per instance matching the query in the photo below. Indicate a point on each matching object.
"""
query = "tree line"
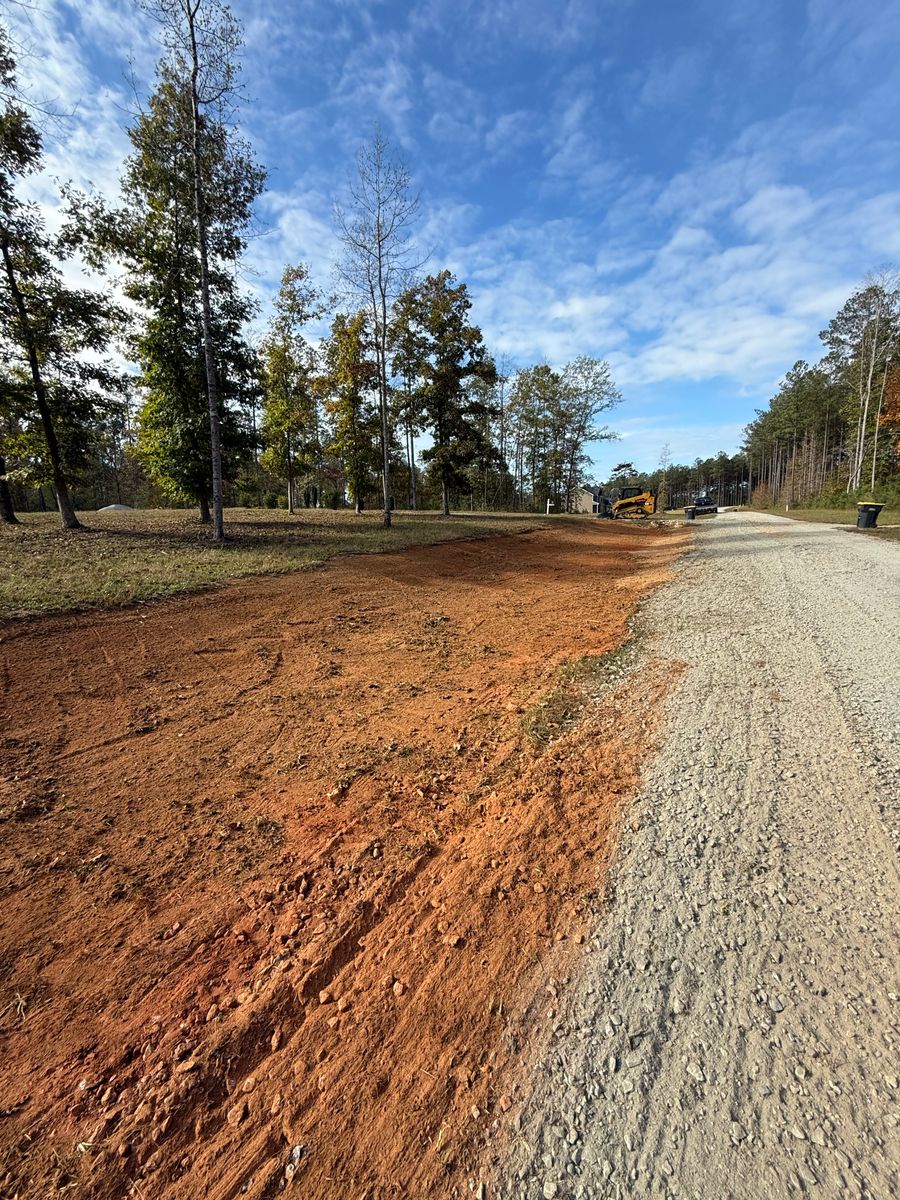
(724, 477)
(153, 388)
(832, 430)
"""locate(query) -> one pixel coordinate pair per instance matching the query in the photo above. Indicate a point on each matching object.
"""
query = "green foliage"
(824, 436)
(554, 418)
(290, 423)
(350, 384)
(155, 238)
(439, 352)
(57, 384)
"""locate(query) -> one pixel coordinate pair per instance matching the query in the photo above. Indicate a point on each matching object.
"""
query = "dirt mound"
(284, 885)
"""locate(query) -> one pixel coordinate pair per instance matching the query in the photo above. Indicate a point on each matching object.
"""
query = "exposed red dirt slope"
(282, 880)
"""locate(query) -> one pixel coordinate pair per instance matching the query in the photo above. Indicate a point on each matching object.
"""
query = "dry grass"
(834, 516)
(126, 556)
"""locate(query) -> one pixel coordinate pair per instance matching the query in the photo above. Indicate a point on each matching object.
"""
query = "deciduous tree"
(445, 351)
(378, 259)
(350, 383)
(53, 338)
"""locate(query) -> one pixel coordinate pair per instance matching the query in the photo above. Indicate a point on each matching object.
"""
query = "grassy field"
(125, 556)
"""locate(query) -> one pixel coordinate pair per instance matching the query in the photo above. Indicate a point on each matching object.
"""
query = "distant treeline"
(724, 477)
(833, 429)
(831, 434)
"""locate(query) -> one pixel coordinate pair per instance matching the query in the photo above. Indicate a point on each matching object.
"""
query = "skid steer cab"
(633, 502)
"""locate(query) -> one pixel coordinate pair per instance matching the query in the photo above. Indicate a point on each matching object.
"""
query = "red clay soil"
(283, 882)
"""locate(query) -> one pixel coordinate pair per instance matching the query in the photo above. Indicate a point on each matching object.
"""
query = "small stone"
(696, 1072)
(738, 1132)
(797, 1133)
(325, 997)
(343, 1004)
(212, 1012)
(776, 1005)
(237, 1114)
(504, 1103)
(818, 1136)
(550, 1190)
(399, 988)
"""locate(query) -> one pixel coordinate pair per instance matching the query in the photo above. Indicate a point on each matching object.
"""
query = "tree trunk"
(878, 422)
(412, 458)
(7, 514)
(209, 356)
(445, 495)
(385, 425)
(64, 503)
(205, 518)
(290, 475)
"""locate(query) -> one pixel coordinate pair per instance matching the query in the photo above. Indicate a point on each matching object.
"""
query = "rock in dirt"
(238, 1113)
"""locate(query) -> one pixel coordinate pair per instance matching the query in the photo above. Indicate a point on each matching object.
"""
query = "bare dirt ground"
(733, 1032)
(284, 881)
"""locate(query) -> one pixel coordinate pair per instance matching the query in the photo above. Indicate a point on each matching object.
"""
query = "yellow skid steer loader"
(634, 502)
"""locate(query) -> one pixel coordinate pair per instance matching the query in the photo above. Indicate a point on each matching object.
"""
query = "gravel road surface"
(734, 1030)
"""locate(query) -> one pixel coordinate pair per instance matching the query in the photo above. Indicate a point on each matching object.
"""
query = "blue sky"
(689, 190)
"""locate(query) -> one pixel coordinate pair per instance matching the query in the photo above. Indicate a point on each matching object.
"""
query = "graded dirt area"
(286, 887)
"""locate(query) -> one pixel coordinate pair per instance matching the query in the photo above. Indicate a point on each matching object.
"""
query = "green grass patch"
(122, 557)
(577, 683)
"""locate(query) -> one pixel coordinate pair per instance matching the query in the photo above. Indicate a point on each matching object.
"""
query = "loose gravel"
(733, 1033)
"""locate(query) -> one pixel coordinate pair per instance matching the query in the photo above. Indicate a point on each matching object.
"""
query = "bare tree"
(378, 260)
(203, 39)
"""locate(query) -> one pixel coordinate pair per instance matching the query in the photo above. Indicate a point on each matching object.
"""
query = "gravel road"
(733, 1032)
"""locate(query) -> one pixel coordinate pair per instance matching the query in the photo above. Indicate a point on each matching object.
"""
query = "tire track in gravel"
(734, 1031)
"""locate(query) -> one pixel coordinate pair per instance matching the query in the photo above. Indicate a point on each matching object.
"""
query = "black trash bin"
(690, 512)
(867, 515)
